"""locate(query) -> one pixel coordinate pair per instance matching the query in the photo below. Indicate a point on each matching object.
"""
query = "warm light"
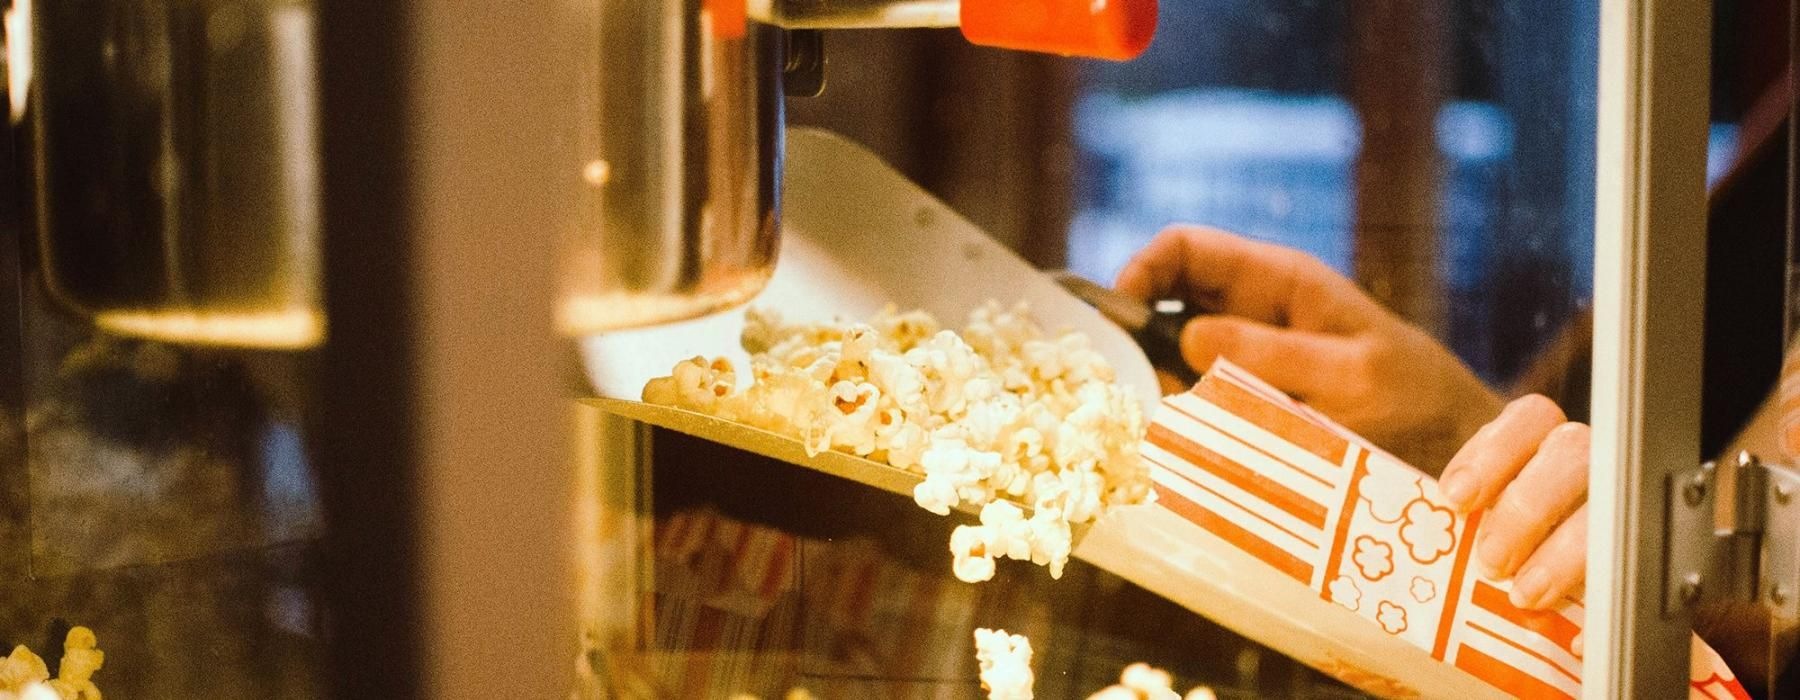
(39, 691)
(18, 56)
(288, 330)
(583, 315)
(597, 173)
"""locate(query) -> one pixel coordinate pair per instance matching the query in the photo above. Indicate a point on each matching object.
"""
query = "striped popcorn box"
(1361, 569)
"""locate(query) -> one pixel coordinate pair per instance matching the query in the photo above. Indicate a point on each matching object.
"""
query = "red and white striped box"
(1326, 509)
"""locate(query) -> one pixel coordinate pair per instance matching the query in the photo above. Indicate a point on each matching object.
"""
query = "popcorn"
(1141, 681)
(39, 691)
(1145, 679)
(1003, 413)
(21, 669)
(1005, 661)
(1051, 541)
(970, 559)
(25, 676)
(81, 658)
(792, 694)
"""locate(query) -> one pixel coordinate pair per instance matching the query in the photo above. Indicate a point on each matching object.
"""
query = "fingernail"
(1490, 568)
(1458, 488)
(1578, 645)
(1528, 591)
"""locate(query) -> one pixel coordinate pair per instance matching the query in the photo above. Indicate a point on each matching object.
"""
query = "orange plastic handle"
(1112, 29)
(729, 18)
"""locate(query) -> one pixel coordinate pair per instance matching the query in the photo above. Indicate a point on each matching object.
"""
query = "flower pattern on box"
(1394, 509)
(1391, 616)
(1423, 589)
(1387, 494)
(1344, 592)
(1267, 475)
(1374, 559)
(1427, 532)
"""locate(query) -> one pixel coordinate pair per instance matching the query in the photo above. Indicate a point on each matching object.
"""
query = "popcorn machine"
(297, 296)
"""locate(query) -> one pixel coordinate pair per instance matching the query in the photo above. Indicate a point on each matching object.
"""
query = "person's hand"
(1529, 467)
(1292, 320)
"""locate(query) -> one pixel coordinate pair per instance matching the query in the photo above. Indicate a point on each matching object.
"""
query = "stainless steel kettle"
(177, 188)
(681, 140)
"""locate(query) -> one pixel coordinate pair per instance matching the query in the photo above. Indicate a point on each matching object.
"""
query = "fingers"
(1229, 274)
(1490, 459)
(1156, 270)
(1547, 490)
(1300, 363)
(1171, 384)
(1556, 569)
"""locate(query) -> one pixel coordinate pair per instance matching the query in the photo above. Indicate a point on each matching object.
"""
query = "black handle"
(1161, 340)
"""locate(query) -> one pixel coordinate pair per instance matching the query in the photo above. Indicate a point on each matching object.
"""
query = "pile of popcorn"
(25, 676)
(1002, 413)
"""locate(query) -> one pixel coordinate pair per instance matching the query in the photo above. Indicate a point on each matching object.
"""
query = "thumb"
(1301, 363)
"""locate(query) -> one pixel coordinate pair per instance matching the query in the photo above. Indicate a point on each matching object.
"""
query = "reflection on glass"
(176, 154)
(1268, 141)
(160, 497)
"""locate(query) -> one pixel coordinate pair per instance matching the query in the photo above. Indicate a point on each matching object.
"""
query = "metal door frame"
(1650, 243)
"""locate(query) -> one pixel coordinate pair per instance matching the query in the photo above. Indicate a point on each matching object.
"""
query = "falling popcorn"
(1140, 681)
(794, 694)
(1001, 414)
(1005, 661)
(25, 676)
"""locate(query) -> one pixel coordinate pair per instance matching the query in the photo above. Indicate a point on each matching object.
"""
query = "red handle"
(1112, 29)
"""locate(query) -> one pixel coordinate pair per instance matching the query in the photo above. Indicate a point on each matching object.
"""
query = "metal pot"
(176, 183)
(177, 186)
(681, 131)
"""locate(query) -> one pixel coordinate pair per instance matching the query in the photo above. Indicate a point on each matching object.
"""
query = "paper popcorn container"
(1275, 521)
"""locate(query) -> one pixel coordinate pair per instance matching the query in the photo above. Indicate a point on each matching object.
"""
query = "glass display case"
(445, 481)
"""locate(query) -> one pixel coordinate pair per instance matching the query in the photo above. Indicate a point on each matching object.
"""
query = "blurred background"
(1440, 153)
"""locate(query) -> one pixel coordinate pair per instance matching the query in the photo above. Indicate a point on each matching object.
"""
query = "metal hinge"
(1755, 560)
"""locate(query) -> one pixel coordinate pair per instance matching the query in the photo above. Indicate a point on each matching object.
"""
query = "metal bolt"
(1694, 491)
(1784, 493)
(1745, 459)
(1690, 589)
(1778, 594)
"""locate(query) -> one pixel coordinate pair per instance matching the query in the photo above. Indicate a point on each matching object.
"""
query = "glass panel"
(154, 494)
(1748, 321)
(1439, 154)
(159, 497)
(1252, 117)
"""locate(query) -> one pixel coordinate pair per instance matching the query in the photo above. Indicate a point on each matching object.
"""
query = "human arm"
(1296, 323)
